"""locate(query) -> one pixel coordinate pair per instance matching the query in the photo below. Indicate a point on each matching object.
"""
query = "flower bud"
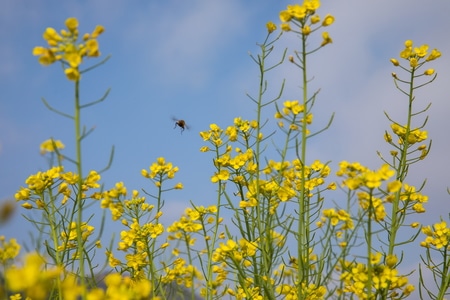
(329, 19)
(391, 261)
(271, 27)
(394, 62)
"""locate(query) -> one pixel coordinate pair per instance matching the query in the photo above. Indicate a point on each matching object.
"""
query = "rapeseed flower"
(51, 145)
(66, 48)
(417, 56)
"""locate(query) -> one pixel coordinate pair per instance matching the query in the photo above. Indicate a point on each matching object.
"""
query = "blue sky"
(190, 60)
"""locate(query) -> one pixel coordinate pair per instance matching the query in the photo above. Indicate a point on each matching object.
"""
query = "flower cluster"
(335, 217)
(284, 181)
(438, 236)
(410, 197)
(136, 243)
(33, 279)
(8, 250)
(182, 273)
(304, 17)
(311, 291)
(290, 112)
(194, 219)
(218, 136)
(229, 165)
(50, 146)
(118, 287)
(413, 136)
(66, 48)
(69, 237)
(160, 171)
(417, 56)
(383, 276)
(358, 176)
(56, 182)
(238, 253)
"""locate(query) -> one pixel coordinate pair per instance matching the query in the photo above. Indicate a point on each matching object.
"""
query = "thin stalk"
(445, 280)
(79, 198)
(303, 204)
(369, 247)
(402, 169)
(209, 267)
(261, 224)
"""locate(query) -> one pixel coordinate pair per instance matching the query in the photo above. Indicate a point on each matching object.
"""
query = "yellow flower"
(326, 39)
(394, 186)
(395, 62)
(329, 19)
(285, 16)
(315, 19)
(429, 72)
(27, 205)
(8, 250)
(99, 29)
(92, 48)
(72, 74)
(391, 260)
(297, 11)
(285, 27)
(433, 55)
(271, 27)
(46, 56)
(306, 30)
(33, 278)
(311, 5)
(49, 145)
(421, 51)
(51, 36)
(72, 24)
(67, 49)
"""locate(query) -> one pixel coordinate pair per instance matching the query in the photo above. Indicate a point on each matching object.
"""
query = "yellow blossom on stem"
(221, 175)
(328, 20)
(285, 27)
(67, 49)
(33, 279)
(271, 27)
(51, 145)
(395, 62)
(433, 55)
(326, 39)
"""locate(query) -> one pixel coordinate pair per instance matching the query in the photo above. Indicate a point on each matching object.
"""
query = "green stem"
(209, 288)
(445, 280)
(79, 198)
(369, 250)
(51, 217)
(402, 169)
(303, 204)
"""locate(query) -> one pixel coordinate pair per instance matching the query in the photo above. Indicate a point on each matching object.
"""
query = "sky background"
(189, 59)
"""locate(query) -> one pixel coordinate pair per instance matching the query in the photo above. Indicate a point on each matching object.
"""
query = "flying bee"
(180, 123)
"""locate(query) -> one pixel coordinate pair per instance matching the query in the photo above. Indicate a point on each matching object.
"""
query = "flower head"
(271, 27)
(65, 47)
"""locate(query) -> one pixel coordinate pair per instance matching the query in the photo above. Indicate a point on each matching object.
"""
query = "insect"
(180, 123)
